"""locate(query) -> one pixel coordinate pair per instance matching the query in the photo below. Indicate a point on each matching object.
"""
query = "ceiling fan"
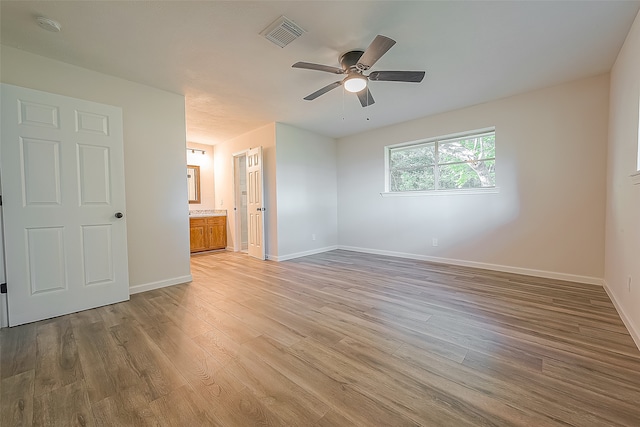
(354, 63)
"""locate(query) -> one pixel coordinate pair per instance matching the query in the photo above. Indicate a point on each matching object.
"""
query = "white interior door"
(255, 203)
(62, 170)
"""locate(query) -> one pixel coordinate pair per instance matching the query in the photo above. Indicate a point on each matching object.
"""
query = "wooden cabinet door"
(217, 227)
(198, 235)
(217, 236)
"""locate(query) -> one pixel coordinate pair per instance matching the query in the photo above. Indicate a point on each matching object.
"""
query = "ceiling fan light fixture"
(355, 83)
(353, 63)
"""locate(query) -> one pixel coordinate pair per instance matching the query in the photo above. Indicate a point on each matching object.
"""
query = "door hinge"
(0, 199)
(3, 288)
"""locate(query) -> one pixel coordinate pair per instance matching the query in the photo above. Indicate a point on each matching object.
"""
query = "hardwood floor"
(335, 339)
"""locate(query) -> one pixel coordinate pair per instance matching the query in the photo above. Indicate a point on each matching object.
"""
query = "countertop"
(206, 212)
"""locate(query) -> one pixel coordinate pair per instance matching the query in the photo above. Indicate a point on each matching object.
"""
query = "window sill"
(635, 178)
(492, 190)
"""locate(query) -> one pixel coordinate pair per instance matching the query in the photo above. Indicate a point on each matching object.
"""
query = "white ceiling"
(235, 80)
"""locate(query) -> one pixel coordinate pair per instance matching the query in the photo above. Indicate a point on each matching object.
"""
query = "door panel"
(46, 259)
(92, 123)
(62, 168)
(35, 114)
(40, 168)
(93, 168)
(97, 254)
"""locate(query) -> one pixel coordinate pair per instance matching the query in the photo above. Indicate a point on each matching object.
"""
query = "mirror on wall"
(193, 183)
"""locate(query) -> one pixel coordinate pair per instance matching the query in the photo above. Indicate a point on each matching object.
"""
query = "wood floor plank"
(156, 374)
(344, 395)
(85, 317)
(17, 350)
(195, 365)
(105, 367)
(182, 407)
(219, 346)
(343, 324)
(417, 401)
(16, 396)
(235, 328)
(286, 400)
(601, 382)
(223, 396)
(293, 321)
(338, 338)
(262, 324)
(126, 408)
(144, 312)
(114, 314)
(65, 406)
(536, 343)
(57, 360)
(180, 316)
(579, 405)
(333, 419)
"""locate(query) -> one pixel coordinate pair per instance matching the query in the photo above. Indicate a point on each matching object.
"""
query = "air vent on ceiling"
(282, 31)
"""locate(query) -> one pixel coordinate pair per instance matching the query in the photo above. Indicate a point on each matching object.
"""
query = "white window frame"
(436, 192)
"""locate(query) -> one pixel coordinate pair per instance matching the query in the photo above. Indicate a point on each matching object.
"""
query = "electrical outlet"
(434, 241)
(629, 283)
(313, 237)
(221, 202)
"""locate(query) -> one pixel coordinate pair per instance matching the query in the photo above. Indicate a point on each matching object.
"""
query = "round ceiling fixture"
(355, 83)
(48, 24)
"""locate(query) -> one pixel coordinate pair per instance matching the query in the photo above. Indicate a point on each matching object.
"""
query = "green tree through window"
(444, 164)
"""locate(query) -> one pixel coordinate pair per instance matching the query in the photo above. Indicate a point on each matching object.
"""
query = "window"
(454, 162)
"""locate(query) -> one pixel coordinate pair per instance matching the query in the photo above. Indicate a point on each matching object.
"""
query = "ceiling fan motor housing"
(349, 60)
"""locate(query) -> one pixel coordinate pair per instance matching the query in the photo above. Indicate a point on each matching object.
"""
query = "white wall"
(155, 159)
(307, 192)
(223, 171)
(622, 254)
(205, 161)
(548, 217)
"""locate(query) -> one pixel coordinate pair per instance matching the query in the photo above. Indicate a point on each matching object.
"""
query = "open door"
(241, 229)
(255, 203)
(62, 165)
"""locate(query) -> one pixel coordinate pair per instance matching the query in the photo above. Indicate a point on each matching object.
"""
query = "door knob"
(119, 215)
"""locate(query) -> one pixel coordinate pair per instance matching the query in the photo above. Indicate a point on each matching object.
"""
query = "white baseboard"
(633, 331)
(135, 289)
(301, 254)
(485, 266)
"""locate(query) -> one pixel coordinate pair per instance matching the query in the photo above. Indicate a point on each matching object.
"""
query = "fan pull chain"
(343, 91)
(368, 93)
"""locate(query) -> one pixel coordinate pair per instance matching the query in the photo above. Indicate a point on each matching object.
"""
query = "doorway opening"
(240, 194)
